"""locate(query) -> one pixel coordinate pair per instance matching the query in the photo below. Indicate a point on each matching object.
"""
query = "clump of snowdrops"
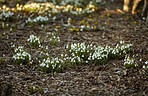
(98, 54)
(145, 66)
(54, 40)
(78, 54)
(52, 64)
(6, 15)
(81, 53)
(34, 41)
(133, 62)
(38, 20)
(21, 56)
(130, 62)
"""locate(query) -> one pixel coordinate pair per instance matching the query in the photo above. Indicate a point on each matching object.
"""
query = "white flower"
(54, 17)
(57, 61)
(42, 64)
(143, 67)
(53, 66)
(52, 62)
(64, 59)
(47, 54)
(74, 60)
(121, 42)
(47, 66)
(82, 26)
(46, 47)
(89, 58)
(81, 29)
(15, 50)
(62, 55)
(67, 46)
(24, 54)
(86, 61)
(14, 57)
(17, 57)
(82, 55)
(29, 56)
(73, 54)
(146, 62)
(18, 54)
(140, 60)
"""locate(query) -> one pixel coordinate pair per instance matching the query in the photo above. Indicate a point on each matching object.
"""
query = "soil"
(111, 79)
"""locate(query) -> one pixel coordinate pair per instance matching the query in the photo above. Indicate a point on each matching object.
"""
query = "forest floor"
(111, 79)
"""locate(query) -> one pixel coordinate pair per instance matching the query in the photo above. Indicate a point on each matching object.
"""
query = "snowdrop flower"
(47, 54)
(53, 66)
(64, 59)
(144, 67)
(81, 29)
(82, 26)
(18, 54)
(89, 58)
(140, 60)
(37, 19)
(62, 55)
(67, 46)
(82, 55)
(47, 66)
(14, 57)
(93, 58)
(121, 42)
(24, 54)
(146, 62)
(82, 51)
(54, 17)
(86, 61)
(57, 61)
(52, 62)
(46, 47)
